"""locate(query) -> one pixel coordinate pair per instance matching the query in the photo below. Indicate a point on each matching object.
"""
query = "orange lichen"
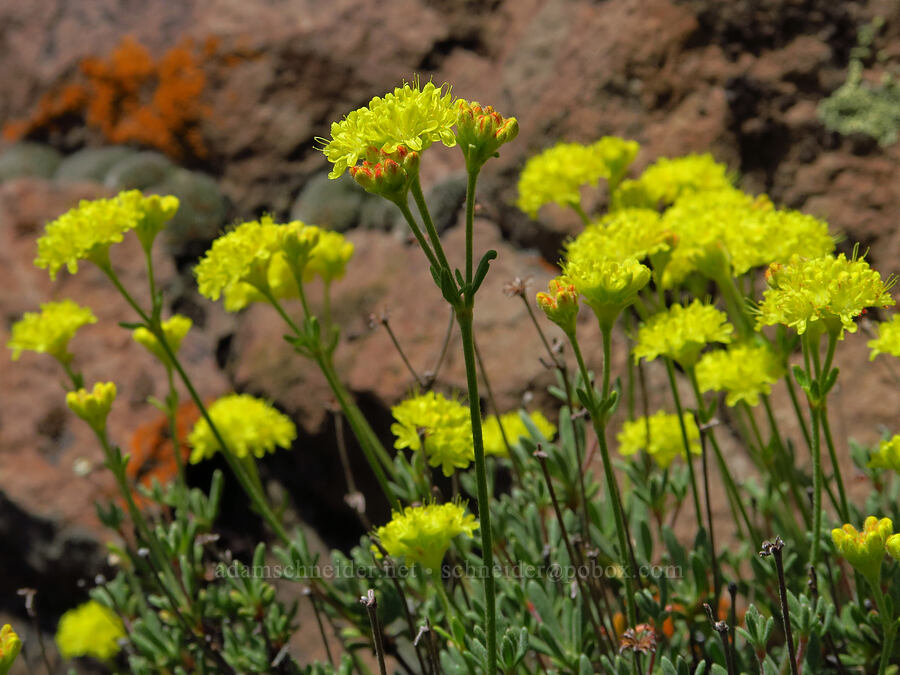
(131, 98)
(151, 449)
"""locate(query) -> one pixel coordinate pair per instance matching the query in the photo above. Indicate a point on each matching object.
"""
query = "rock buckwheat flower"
(514, 428)
(824, 294)
(387, 174)
(680, 333)
(887, 456)
(743, 371)
(50, 330)
(888, 340)
(560, 304)
(248, 425)
(441, 426)
(10, 645)
(865, 549)
(556, 175)
(89, 630)
(87, 231)
(627, 233)
(608, 286)
(480, 131)
(667, 179)
(665, 442)
(422, 534)
(410, 116)
(174, 330)
(93, 407)
(329, 257)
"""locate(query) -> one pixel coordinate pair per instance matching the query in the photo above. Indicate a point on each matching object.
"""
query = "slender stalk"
(787, 462)
(577, 208)
(709, 519)
(795, 403)
(371, 605)
(416, 189)
(774, 549)
(836, 469)
(464, 318)
(816, 451)
(599, 423)
(470, 219)
(670, 370)
(390, 331)
(514, 460)
(417, 233)
(889, 628)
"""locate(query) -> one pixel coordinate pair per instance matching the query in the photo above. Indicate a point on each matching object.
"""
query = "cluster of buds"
(388, 174)
(865, 549)
(480, 131)
(560, 304)
(93, 407)
(10, 645)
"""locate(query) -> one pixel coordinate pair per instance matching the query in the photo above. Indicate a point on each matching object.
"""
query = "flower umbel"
(410, 116)
(888, 340)
(608, 286)
(824, 294)
(93, 407)
(515, 430)
(480, 131)
(680, 333)
(665, 442)
(743, 371)
(10, 645)
(248, 425)
(442, 426)
(422, 534)
(887, 456)
(50, 330)
(174, 330)
(865, 549)
(560, 304)
(89, 630)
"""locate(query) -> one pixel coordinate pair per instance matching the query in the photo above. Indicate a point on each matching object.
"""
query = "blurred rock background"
(233, 94)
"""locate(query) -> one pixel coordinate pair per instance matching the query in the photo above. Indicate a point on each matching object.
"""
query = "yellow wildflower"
(50, 330)
(608, 286)
(89, 630)
(665, 442)
(865, 549)
(888, 340)
(680, 333)
(411, 117)
(514, 428)
(743, 371)
(822, 294)
(480, 131)
(560, 304)
(93, 407)
(443, 425)
(422, 534)
(887, 456)
(10, 645)
(667, 179)
(329, 256)
(248, 425)
(627, 233)
(174, 330)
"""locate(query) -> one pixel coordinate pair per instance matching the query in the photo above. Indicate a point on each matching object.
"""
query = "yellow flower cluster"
(666, 179)
(410, 116)
(10, 645)
(888, 340)
(680, 333)
(557, 174)
(89, 630)
(514, 428)
(441, 424)
(865, 549)
(822, 294)
(608, 286)
(174, 330)
(665, 442)
(260, 257)
(93, 407)
(248, 425)
(422, 534)
(50, 330)
(743, 371)
(87, 231)
(627, 233)
(887, 456)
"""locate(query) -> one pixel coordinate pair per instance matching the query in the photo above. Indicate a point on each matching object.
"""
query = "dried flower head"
(248, 425)
(641, 639)
(50, 330)
(422, 534)
(680, 333)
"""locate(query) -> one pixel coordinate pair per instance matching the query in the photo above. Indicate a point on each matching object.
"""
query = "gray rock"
(92, 164)
(201, 214)
(334, 204)
(28, 159)
(139, 171)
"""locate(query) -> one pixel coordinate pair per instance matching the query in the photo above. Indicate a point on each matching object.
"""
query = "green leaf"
(482, 270)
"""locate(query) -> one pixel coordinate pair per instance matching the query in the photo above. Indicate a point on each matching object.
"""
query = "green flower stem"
(577, 208)
(787, 462)
(736, 300)
(257, 499)
(816, 452)
(889, 627)
(470, 219)
(612, 486)
(795, 403)
(441, 592)
(416, 189)
(731, 490)
(172, 415)
(832, 453)
(417, 232)
(464, 318)
(670, 370)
